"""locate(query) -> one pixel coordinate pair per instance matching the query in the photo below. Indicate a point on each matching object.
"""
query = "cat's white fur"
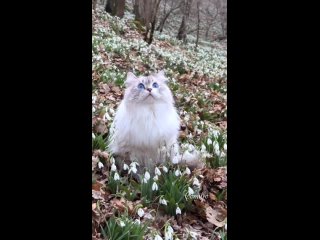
(145, 122)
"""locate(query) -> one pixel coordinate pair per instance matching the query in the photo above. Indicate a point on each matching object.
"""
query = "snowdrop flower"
(154, 186)
(190, 148)
(187, 171)
(140, 212)
(203, 148)
(225, 226)
(176, 159)
(209, 141)
(146, 177)
(215, 133)
(225, 147)
(93, 109)
(122, 224)
(196, 182)
(168, 233)
(106, 116)
(190, 191)
(157, 171)
(216, 146)
(125, 166)
(157, 237)
(165, 169)
(217, 151)
(113, 167)
(222, 154)
(93, 136)
(178, 211)
(116, 176)
(111, 111)
(177, 172)
(137, 221)
(94, 98)
(133, 167)
(100, 165)
(155, 178)
(163, 201)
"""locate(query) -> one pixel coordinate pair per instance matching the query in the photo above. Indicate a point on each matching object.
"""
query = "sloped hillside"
(177, 203)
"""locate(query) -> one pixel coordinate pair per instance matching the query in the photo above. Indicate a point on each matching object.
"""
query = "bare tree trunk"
(94, 4)
(167, 14)
(115, 7)
(182, 33)
(198, 25)
(152, 22)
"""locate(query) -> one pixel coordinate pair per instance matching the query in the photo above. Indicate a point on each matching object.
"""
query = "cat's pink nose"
(149, 89)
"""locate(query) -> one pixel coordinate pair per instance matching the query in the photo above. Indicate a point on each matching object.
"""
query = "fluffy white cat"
(146, 122)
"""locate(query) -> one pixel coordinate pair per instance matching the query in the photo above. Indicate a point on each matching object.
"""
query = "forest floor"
(196, 206)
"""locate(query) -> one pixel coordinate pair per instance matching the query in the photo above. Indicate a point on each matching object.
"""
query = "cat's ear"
(130, 79)
(161, 76)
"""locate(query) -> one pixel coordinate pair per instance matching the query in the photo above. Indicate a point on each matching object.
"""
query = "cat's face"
(147, 89)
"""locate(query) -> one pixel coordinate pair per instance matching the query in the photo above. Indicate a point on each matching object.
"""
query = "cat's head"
(147, 89)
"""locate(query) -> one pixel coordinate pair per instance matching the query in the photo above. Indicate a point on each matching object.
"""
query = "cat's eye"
(155, 85)
(141, 86)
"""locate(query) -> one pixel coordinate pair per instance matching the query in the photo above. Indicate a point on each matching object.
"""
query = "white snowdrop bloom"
(225, 226)
(122, 224)
(93, 109)
(187, 171)
(157, 237)
(225, 147)
(157, 171)
(163, 201)
(215, 133)
(222, 154)
(196, 182)
(116, 177)
(176, 159)
(209, 141)
(190, 191)
(125, 166)
(133, 167)
(177, 172)
(155, 178)
(168, 233)
(178, 211)
(190, 148)
(154, 186)
(111, 111)
(140, 212)
(113, 167)
(94, 98)
(100, 165)
(217, 151)
(93, 136)
(203, 148)
(165, 169)
(216, 146)
(106, 116)
(147, 175)
(137, 221)
(134, 164)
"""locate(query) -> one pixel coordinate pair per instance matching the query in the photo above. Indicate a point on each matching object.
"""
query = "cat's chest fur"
(147, 125)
